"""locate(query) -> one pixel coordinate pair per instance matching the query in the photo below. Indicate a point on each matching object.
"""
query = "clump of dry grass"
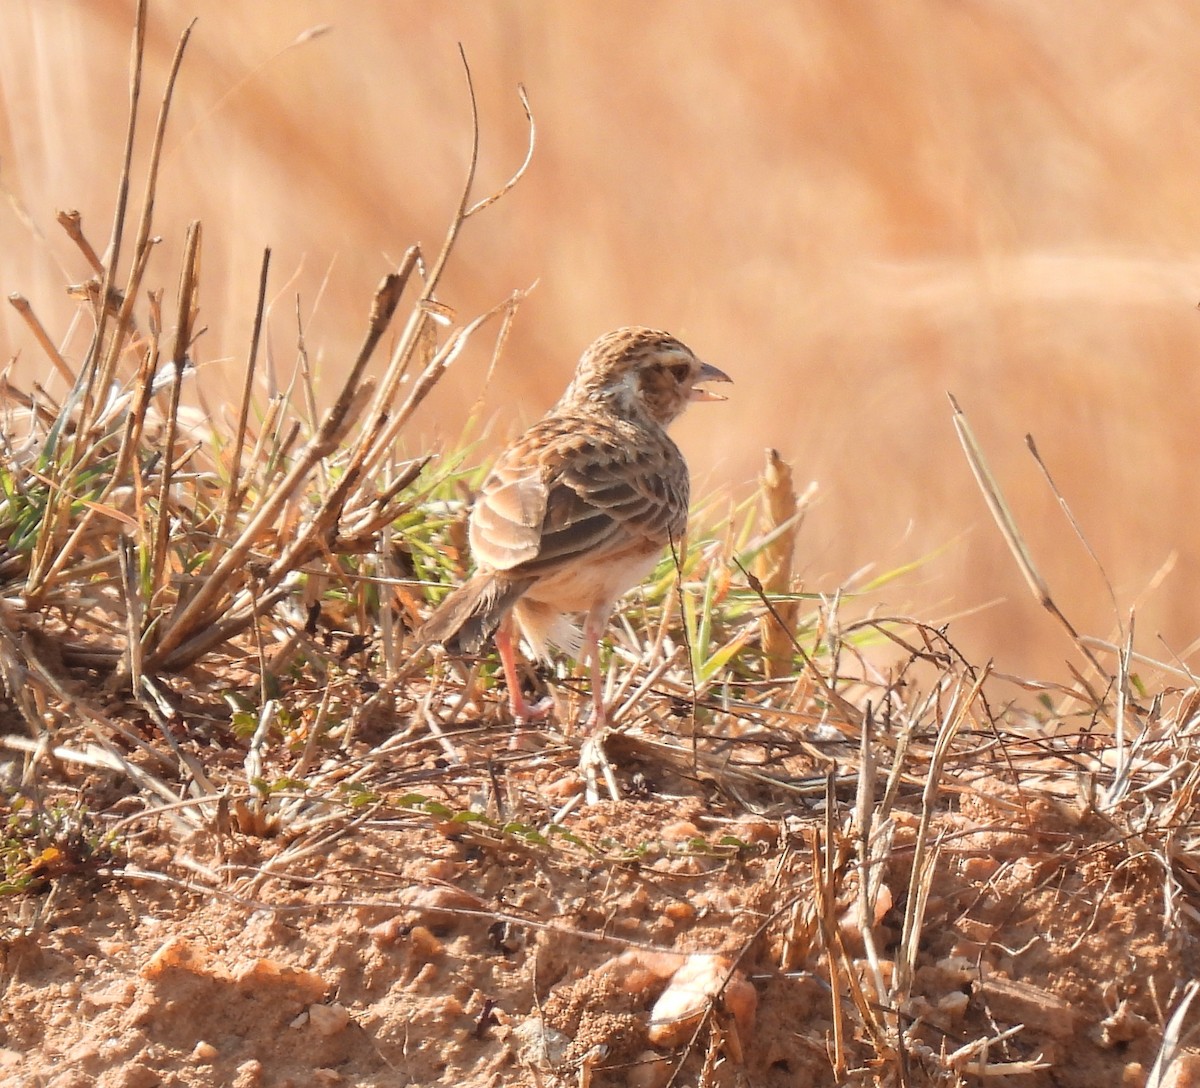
(151, 570)
(137, 541)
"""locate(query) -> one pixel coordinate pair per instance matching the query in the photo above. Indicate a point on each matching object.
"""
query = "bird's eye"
(681, 372)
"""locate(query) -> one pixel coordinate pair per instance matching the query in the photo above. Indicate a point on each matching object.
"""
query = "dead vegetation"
(838, 860)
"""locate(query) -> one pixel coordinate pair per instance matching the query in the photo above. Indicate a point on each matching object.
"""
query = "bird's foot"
(526, 718)
(524, 711)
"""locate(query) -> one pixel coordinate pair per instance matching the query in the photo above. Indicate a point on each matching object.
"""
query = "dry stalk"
(823, 875)
(873, 850)
(200, 609)
(1007, 525)
(426, 305)
(134, 610)
(781, 519)
(72, 223)
(21, 304)
(101, 379)
(925, 854)
(375, 450)
(108, 272)
(187, 312)
(233, 492)
(59, 540)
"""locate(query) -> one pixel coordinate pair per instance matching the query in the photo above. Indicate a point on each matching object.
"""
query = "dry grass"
(218, 623)
(849, 211)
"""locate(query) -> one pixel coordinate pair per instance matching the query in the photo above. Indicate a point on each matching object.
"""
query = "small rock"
(848, 922)
(1183, 1071)
(119, 993)
(204, 1052)
(1023, 1003)
(649, 1070)
(741, 1000)
(425, 945)
(698, 982)
(83, 1053)
(178, 953)
(639, 971)
(958, 968)
(1122, 1026)
(680, 831)
(679, 911)
(426, 976)
(451, 1007)
(755, 829)
(138, 1075)
(262, 973)
(954, 1004)
(327, 1020)
(249, 1074)
(979, 869)
(440, 904)
(540, 1046)
(390, 930)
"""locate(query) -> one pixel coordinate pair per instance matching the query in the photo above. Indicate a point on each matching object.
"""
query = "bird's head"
(642, 372)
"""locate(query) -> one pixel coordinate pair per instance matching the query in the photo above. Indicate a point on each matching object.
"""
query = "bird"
(577, 510)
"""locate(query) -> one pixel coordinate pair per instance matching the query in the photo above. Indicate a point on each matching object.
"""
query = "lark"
(578, 510)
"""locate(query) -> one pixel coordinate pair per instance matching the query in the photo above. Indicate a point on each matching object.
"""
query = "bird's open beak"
(708, 373)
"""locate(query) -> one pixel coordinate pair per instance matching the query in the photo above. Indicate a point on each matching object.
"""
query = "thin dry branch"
(72, 222)
(487, 201)
(113, 253)
(21, 304)
(200, 610)
(426, 303)
(233, 491)
(187, 310)
(1007, 525)
(59, 540)
(107, 370)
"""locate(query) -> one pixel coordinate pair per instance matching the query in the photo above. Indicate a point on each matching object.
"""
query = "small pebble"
(328, 1020)
(204, 1053)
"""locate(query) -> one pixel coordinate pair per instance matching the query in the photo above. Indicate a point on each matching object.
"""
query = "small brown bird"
(579, 508)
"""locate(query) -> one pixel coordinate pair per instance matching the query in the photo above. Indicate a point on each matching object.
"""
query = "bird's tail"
(466, 619)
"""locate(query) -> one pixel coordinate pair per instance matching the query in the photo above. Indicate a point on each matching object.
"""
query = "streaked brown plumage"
(579, 508)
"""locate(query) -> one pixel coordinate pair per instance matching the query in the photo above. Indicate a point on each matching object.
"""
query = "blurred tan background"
(852, 208)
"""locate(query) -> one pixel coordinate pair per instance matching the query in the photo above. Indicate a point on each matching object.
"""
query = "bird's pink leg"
(506, 647)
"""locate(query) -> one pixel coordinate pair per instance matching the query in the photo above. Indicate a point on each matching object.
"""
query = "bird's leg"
(592, 757)
(506, 647)
(592, 628)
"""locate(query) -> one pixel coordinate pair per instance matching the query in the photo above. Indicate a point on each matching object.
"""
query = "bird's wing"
(506, 521)
(572, 488)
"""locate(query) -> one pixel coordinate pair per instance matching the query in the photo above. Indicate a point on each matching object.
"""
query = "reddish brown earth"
(395, 946)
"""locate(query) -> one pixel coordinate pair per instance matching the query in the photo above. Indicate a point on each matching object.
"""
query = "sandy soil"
(393, 944)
